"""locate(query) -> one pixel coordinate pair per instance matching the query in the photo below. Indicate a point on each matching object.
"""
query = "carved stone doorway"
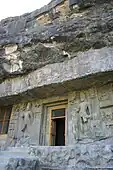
(58, 125)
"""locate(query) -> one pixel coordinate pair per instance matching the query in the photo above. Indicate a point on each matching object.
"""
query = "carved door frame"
(55, 107)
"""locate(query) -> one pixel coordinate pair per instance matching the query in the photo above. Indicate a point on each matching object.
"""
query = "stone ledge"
(96, 155)
(85, 70)
(110, 168)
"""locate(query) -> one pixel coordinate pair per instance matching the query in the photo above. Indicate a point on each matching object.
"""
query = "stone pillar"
(37, 124)
(11, 140)
(72, 124)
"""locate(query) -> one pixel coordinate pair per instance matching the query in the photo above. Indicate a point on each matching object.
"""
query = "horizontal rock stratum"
(86, 69)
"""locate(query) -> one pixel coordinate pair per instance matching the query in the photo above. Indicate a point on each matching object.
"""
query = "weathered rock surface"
(18, 62)
(95, 155)
(59, 78)
(80, 157)
(70, 53)
(89, 27)
(17, 158)
(22, 164)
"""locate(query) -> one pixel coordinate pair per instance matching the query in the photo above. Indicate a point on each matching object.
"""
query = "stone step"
(17, 149)
(5, 158)
(13, 152)
(10, 153)
(99, 168)
(2, 167)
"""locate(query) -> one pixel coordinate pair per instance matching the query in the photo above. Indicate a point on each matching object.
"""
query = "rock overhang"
(81, 30)
(81, 35)
(94, 67)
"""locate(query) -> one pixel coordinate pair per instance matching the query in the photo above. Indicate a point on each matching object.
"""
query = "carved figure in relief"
(27, 119)
(107, 121)
(84, 116)
(106, 114)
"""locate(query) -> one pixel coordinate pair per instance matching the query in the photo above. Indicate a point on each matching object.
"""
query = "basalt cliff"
(53, 34)
(57, 63)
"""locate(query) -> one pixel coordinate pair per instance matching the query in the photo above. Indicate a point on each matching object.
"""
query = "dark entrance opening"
(60, 132)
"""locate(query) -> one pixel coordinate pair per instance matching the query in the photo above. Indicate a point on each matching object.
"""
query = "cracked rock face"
(26, 45)
(17, 61)
(96, 155)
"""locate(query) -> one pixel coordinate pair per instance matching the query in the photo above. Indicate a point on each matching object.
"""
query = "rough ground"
(17, 159)
(89, 27)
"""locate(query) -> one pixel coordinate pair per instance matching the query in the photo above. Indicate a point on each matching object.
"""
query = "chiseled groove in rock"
(86, 64)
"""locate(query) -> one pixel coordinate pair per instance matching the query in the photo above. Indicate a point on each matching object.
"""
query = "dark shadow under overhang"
(59, 89)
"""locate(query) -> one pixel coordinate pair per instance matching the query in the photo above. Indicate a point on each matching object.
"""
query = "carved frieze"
(92, 116)
(89, 117)
(73, 98)
(97, 131)
(105, 96)
(107, 114)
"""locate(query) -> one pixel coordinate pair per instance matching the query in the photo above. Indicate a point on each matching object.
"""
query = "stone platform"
(96, 155)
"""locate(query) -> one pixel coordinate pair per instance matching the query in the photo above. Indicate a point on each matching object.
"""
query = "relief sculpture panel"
(105, 96)
(28, 125)
(25, 122)
(107, 121)
(81, 118)
(92, 116)
(85, 115)
(27, 118)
